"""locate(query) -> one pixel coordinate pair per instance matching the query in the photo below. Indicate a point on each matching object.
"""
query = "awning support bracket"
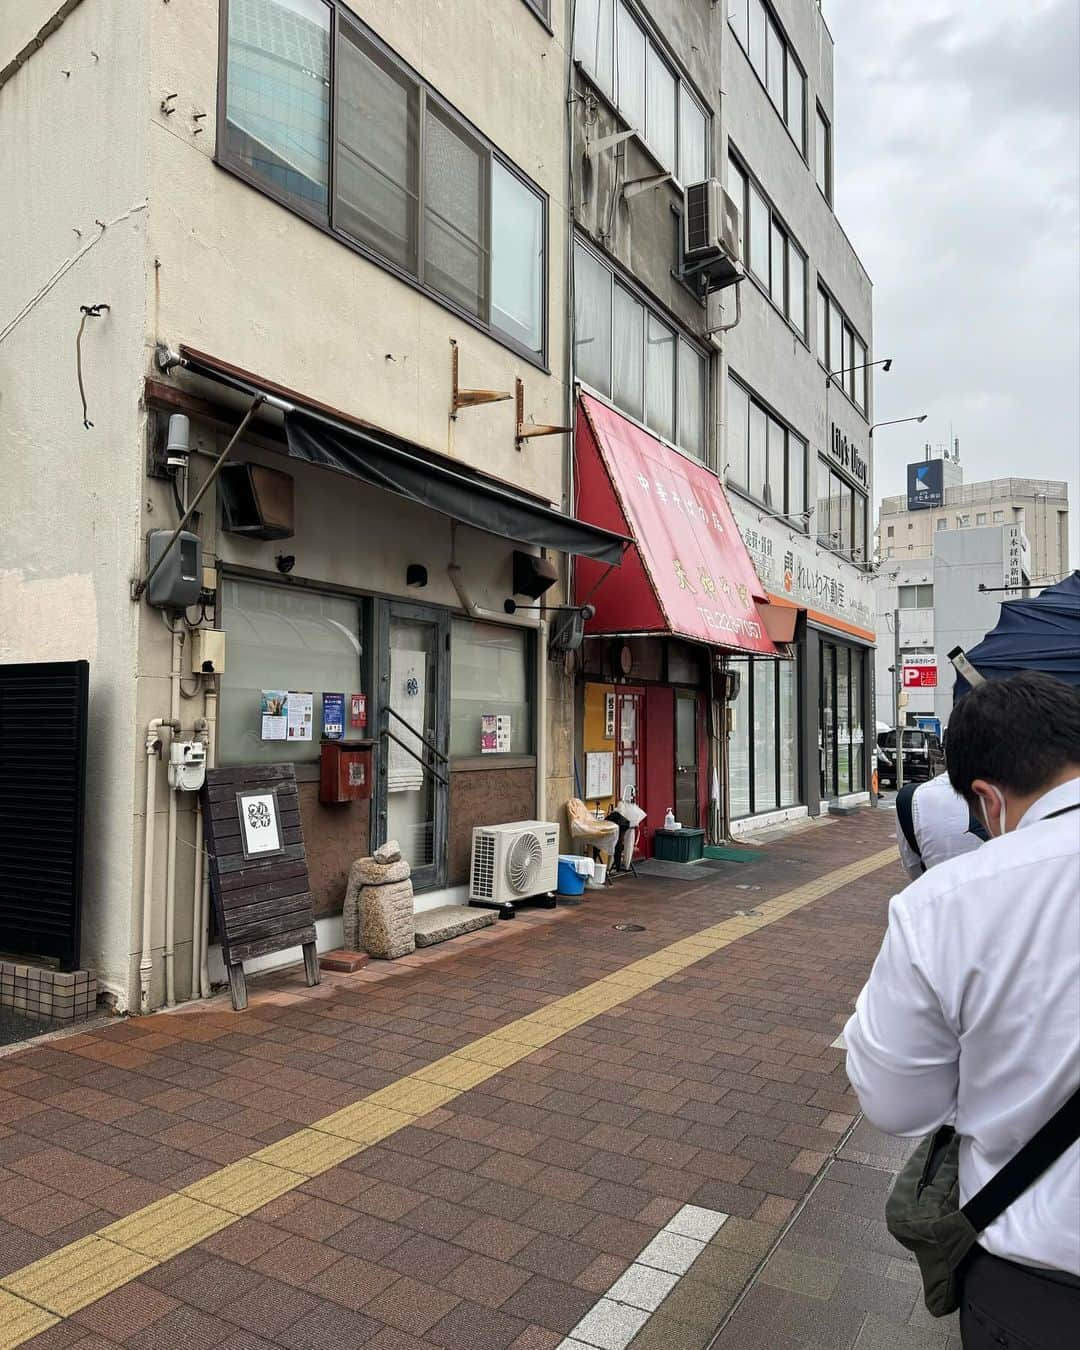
(468, 398)
(527, 430)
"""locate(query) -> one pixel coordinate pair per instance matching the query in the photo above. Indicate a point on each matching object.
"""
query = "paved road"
(554, 1133)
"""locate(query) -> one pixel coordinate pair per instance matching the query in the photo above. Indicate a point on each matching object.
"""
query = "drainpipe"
(541, 719)
(196, 900)
(203, 863)
(146, 962)
(170, 843)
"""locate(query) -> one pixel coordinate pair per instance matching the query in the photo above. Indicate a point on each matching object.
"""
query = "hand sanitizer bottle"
(669, 819)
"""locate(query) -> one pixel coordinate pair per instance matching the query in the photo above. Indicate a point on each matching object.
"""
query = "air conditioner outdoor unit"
(711, 234)
(513, 862)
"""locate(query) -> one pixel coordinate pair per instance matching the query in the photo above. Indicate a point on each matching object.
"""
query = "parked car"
(924, 757)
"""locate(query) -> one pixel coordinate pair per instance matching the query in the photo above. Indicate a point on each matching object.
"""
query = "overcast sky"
(958, 181)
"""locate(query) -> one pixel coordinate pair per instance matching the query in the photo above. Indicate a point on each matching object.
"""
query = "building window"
(823, 155)
(763, 770)
(622, 57)
(774, 60)
(405, 166)
(769, 250)
(962, 522)
(942, 524)
(841, 514)
(490, 673)
(891, 531)
(293, 639)
(915, 597)
(624, 350)
(841, 350)
(980, 518)
(542, 9)
(999, 517)
(765, 458)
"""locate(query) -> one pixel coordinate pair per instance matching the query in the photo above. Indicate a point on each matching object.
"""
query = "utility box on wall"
(346, 771)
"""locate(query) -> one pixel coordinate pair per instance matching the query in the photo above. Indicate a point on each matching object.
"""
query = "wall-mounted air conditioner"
(711, 229)
(513, 862)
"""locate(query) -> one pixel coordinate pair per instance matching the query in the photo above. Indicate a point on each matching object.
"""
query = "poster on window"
(599, 774)
(495, 730)
(333, 716)
(272, 710)
(259, 822)
(299, 711)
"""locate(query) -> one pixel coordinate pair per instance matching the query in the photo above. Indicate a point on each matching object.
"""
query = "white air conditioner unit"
(513, 862)
(711, 228)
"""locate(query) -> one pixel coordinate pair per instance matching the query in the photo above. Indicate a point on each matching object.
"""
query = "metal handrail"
(419, 736)
(428, 768)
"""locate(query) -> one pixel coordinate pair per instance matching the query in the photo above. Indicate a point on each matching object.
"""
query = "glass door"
(413, 738)
(629, 753)
(687, 807)
(827, 724)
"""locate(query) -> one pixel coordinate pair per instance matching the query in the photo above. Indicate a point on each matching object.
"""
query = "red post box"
(346, 771)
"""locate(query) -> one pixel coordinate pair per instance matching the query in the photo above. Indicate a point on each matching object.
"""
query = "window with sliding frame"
(766, 459)
(770, 251)
(319, 114)
(632, 354)
(841, 350)
(624, 57)
(773, 58)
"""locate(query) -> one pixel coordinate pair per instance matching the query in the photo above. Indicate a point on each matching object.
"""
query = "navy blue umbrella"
(1042, 633)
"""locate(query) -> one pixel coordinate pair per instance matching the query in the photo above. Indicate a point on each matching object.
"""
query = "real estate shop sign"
(792, 568)
(925, 485)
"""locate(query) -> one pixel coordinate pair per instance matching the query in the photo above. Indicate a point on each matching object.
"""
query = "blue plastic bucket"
(570, 883)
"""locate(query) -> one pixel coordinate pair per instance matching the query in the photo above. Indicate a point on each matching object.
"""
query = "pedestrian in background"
(933, 824)
(982, 955)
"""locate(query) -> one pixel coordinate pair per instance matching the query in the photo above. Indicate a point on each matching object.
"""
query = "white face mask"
(1001, 817)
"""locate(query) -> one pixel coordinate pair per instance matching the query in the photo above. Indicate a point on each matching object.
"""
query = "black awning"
(318, 436)
(484, 506)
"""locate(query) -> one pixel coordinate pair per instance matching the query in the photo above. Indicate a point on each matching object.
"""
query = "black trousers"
(1004, 1306)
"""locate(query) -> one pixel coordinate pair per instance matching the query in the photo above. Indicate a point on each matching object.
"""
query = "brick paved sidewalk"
(702, 1077)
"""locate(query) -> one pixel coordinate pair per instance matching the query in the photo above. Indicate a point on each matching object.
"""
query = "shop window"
(283, 639)
(763, 759)
(484, 226)
(490, 675)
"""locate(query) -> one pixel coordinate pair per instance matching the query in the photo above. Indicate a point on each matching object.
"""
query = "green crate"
(683, 846)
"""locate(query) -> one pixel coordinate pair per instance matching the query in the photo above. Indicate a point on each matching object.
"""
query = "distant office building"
(939, 502)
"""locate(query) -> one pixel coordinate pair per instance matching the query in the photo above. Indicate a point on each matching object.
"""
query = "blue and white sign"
(926, 485)
(333, 716)
(930, 724)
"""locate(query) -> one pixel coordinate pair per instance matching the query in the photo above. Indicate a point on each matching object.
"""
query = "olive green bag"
(924, 1214)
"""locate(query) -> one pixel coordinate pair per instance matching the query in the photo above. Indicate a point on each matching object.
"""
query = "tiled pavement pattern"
(837, 1281)
(500, 1218)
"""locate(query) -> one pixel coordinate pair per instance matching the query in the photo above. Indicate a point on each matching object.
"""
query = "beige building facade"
(332, 208)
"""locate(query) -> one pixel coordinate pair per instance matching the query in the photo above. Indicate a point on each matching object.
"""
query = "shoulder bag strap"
(905, 815)
(1043, 1149)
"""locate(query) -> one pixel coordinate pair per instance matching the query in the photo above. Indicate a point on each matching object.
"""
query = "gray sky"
(958, 181)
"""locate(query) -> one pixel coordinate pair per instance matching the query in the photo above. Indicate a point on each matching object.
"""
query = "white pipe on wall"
(541, 719)
(170, 845)
(146, 961)
(203, 867)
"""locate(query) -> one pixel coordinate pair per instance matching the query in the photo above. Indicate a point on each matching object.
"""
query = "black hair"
(1019, 733)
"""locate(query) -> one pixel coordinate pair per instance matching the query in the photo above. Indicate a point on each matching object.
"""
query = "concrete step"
(450, 921)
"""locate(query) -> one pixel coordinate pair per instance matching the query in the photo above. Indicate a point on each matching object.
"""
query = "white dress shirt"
(971, 1016)
(941, 818)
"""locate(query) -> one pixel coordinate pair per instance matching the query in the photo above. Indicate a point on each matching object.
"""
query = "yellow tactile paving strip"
(39, 1295)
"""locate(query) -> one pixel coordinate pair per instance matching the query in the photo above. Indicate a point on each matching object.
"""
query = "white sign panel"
(599, 774)
(259, 821)
(1017, 557)
(792, 567)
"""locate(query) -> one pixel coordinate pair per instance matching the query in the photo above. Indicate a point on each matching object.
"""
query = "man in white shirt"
(933, 824)
(971, 1014)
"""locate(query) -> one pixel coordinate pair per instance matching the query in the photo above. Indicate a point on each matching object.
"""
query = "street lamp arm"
(896, 421)
(885, 362)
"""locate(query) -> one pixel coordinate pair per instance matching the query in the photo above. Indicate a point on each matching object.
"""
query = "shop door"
(687, 806)
(413, 738)
(827, 721)
(629, 721)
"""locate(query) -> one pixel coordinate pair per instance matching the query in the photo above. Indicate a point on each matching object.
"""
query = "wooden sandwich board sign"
(258, 868)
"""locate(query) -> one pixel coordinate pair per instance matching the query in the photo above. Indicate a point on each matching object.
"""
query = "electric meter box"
(346, 771)
(178, 581)
(208, 651)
